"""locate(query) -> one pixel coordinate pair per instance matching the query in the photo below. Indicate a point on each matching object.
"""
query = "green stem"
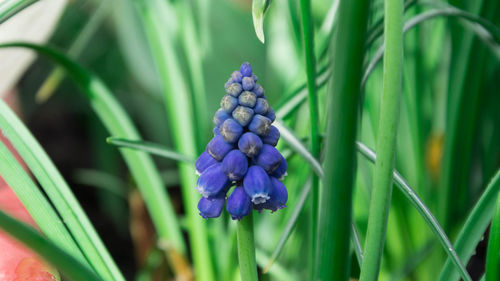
(335, 211)
(246, 249)
(308, 38)
(386, 142)
(493, 254)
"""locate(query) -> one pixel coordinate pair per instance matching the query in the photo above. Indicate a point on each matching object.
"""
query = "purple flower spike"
(234, 89)
(228, 103)
(257, 184)
(271, 115)
(239, 204)
(269, 158)
(279, 196)
(246, 69)
(235, 165)
(247, 98)
(236, 76)
(243, 115)
(247, 83)
(211, 207)
(273, 136)
(250, 144)
(261, 106)
(204, 161)
(212, 181)
(220, 116)
(218, 148)
(260, 125)
(231, 130)
(258, 90)
(280, 172)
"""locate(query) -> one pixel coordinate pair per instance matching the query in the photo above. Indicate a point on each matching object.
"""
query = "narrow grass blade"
(246, 249)
(292, 221)
(290, 225)
(149, 147)
(292, 100)
(386, 141)
(9, 8)
(426, 214)
(335, 211)
(179, 110)
(66, 263)
(141, 165)
(377, 29)
(194, 58)
(308, 39)
(259, 9)
(356, 244)
(492, 31)
(474, 228)
(59, 194)
(278, 272)
(493, 254)
(403, 186)
(57, 75)
(35, 202)
(292, 140)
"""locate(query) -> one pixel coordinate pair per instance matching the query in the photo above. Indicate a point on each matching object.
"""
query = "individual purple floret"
(242, 153)
(261, 106)
(234, 89)
(204, 161)
(257, 184)
(247, 98)
(258, 90)
(216, 131)
(212, 181)
(236, 76)
(211, 207)
(228, 83)
(246, 69)
(269, 158)
(250, 144)
(243, 115)
(273, 136)
(271, 115)
(220, 116)
(218, 148)
(278, 196)
(235, 165)
(228, 103)
(247, 83)
(238, 204)
(280, 172)
(260, 125)
(231, 130)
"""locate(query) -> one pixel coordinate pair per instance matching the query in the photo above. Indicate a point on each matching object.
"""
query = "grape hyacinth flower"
(242, 153)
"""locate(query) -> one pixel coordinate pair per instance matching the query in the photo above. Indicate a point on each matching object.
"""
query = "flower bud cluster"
(242, 153)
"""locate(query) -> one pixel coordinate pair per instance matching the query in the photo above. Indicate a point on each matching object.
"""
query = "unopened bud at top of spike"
(243, 115)
(247, 99)
(246, 69)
